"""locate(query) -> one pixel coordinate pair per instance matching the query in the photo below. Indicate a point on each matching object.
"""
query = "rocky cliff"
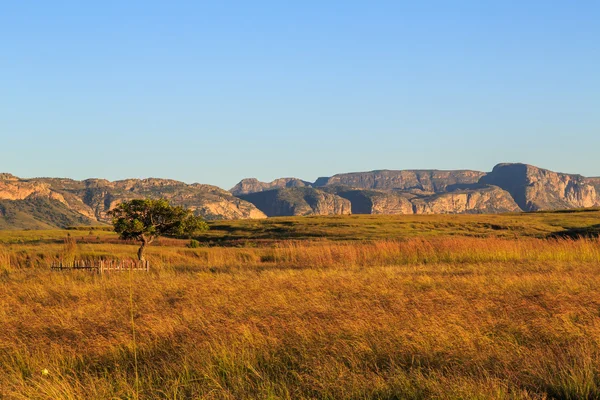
(365, 201)
(93, 198)
(486, 200)
(535, 188)
(432, 181)
(298, 201)
(253, 185)
(476, 200)
(56, 202)
(508, 188)
(595, 182)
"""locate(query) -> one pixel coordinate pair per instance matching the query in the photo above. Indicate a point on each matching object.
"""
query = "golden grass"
(353, 227)
(447, 317)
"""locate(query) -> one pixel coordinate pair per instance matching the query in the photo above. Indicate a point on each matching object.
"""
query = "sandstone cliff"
(364, 201)
(298, 201)
(52, 202)
(487, 200)
(432, 181)
(93, 198)
(535, 188)
(208, 201)
(478, 199)
(253, 185)
(509, 187)
(595, 182)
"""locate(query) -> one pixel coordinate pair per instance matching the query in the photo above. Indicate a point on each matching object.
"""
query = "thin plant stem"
(135, 361)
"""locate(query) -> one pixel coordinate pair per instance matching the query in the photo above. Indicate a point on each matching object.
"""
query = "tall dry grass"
(318, 254)
(439, 318)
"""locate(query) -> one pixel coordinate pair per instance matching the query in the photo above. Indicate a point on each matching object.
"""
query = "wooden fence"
(102, 266)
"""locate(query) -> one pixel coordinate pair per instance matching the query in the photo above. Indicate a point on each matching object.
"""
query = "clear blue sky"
(215, 91)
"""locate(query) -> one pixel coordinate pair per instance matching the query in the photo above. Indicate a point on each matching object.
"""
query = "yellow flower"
(45, 371)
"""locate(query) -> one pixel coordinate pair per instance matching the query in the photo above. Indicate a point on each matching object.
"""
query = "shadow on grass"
(592, 231)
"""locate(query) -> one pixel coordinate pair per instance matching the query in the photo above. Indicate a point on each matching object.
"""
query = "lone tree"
(145, 220)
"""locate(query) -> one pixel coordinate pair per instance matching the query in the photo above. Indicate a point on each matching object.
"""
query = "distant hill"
(253, 185)
(508, 188)
(43, 203)
(298, 201)
(432, 181)
(39, 213)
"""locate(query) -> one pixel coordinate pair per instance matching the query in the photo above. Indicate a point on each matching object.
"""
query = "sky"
(217, 91)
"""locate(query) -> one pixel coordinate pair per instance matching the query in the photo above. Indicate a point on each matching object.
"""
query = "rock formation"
(486, 200)
(432, 181)
(57, 202)
(535, 188)
(93, 198)
(364, 201)
(253, 185)
(298, 201)
(508, 188)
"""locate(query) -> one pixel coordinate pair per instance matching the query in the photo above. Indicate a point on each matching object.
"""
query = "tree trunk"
(141, 251)
(146, 240)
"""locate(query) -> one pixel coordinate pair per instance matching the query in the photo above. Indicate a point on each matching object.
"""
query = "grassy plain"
(368, 307)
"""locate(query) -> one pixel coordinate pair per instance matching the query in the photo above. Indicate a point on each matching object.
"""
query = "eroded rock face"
(595, 182)
(433, 181)
(208, 201)
(7, 177)
(253, 185)
(481, 199)
(364, 201)
(488, 200)
(93, 198)
(298, 201)
(535, 188)
(464, 191)
(19, 190)
(508, 188)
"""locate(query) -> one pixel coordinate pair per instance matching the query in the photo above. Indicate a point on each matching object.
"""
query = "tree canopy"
(147, 219)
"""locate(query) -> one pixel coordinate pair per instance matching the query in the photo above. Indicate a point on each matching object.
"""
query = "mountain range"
(43, 203)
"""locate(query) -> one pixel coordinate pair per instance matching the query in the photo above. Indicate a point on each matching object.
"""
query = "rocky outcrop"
(11, 189)
(479, 199)
(253, 185)
(431, 181)
(365, 201)
(508, 188)
(487, 200)
(208, 201)
(595, 182)
(535, 188)
(298, 201)
(7, 177)
(93, 198)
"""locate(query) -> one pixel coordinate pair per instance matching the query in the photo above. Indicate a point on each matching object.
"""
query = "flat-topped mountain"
(508, 188)
(59, 202)
(253, 185)
(535, 188)
(433, 181)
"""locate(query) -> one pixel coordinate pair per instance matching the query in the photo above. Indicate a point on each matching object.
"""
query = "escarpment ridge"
(42, 203)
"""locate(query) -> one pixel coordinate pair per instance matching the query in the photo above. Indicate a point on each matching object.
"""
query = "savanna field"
(356, 307)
